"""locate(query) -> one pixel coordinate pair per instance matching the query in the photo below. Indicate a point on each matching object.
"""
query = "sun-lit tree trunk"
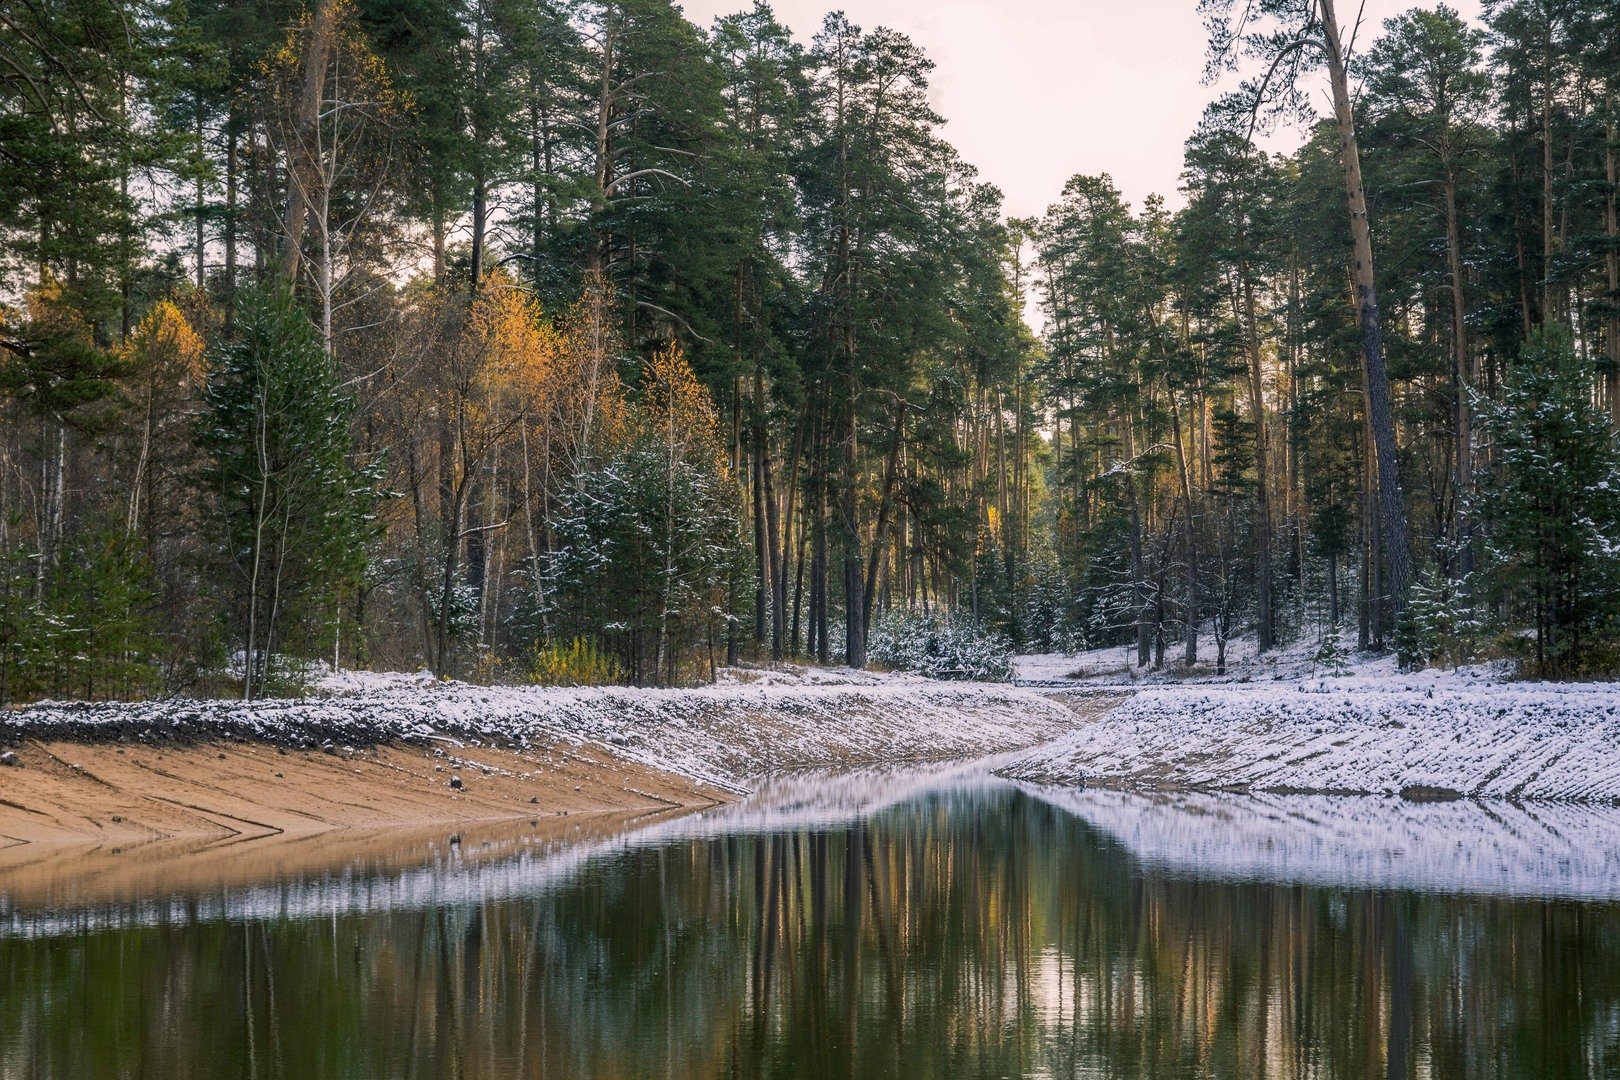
(1193, 601)
(1266, 615)
(301, 165)
(1380, 408)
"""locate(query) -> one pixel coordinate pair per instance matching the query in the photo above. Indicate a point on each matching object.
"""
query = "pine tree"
(294, 511)
(1553, 502)
(1428, 98)
(1288, 38)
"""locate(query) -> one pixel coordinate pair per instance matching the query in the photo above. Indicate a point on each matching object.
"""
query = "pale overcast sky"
(1035, 91)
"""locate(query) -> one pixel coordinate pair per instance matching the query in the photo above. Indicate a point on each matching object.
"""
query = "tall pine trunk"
(1611, 231)
(1267, 617)
(850, 539)
(1380, 409)
(1463, 379)
(302, 169)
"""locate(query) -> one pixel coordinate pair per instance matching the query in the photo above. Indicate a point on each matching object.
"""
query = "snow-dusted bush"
(1442, 625)
(939, 646)
(1331, 653)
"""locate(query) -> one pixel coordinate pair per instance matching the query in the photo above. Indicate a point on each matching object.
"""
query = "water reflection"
(970, 932)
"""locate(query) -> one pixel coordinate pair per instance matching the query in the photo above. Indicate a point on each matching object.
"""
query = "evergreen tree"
(1553, 501)
(294, 511)
(648, 544)
(1428, 98)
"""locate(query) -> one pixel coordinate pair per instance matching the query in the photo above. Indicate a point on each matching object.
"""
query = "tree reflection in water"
(968, 934)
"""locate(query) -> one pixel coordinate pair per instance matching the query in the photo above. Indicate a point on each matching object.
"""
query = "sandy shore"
(112, 800)
(386, 752)
(118, 795)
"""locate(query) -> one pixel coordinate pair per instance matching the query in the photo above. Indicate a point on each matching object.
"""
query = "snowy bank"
(1426, 735)
(721, 733)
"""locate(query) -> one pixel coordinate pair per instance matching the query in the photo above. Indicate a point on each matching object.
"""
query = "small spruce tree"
(294, 511)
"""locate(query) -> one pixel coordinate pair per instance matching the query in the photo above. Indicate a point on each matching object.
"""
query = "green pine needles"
(294, 511)
(1552, 500)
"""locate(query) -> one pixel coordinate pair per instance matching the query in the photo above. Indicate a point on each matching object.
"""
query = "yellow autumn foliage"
(164, 342)
(677, 405)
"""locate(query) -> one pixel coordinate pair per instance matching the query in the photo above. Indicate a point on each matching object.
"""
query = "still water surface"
(959, 930)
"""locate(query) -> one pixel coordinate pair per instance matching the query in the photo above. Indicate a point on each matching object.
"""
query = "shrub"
(1442, 625)
(939, 646)
(577, 663)
(1331, 653)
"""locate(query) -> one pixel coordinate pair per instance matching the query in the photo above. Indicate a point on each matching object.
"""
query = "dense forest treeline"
(571, 341)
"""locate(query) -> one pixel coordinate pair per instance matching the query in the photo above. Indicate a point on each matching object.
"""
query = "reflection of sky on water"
(1553, 850)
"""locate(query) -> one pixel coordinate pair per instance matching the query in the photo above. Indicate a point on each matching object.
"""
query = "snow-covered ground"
(1116, 665)
(1278, 723)
(1285, 723)
(1494, 740)
(753, 722)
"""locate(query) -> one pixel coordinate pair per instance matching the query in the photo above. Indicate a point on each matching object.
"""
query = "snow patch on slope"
(721, 733)
(1473, 736)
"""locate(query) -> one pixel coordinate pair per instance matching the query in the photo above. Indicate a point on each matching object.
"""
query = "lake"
(881, 925)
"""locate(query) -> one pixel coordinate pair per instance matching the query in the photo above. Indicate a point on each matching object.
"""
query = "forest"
(568, 341)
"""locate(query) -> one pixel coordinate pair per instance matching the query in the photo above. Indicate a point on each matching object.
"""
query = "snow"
(1277, 723)
(722, 734)
(1372, 731)
(1116, 664)
(1283, 722)
(1501, 849)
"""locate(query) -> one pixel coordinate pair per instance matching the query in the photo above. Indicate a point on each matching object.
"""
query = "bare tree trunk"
(874, 562)
(1265, 633)
(603, 173)
(1139, 591)
(1611, 231)
(1463, 378)
(1194, 603)
(137, 484)
(665, 657)
(198, 193)
(1548, 309)
(480, 182)
(250, 653)
(789, 525)
(301, 168)
(1380, 410)
(451, 492)
(773, 550)
(1333, 591)
(1003, 500)
(762, 552)
(850, 537)
(323, 269)
(230, 221)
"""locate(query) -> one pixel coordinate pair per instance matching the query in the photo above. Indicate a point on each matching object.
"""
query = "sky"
(1035, 91)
